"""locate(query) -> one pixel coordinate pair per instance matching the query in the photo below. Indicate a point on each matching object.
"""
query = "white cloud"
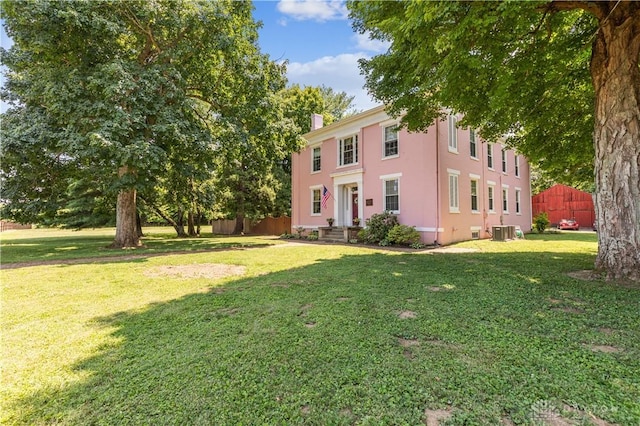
(315, 10)
(364, 42)
(340, 72)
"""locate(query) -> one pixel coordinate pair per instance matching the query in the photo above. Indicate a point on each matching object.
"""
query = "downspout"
(437, 182)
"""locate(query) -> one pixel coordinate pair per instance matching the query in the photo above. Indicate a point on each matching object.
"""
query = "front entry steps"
(338, 233)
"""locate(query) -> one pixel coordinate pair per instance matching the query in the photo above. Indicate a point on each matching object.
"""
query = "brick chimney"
(316, 121)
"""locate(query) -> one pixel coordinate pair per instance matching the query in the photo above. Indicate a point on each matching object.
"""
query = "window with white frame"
(316, 162)
(348, 151)
(516, 165)
(316, 194)
(391, 195)
(490, 155)
(474, 195)
(473, 145)
(518, 201)
(505, 199)
(453, 133)
(491, 198)
(504, 160)
(454, 198)
(390, 143)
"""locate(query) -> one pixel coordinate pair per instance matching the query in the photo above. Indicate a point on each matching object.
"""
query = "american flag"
(325, 196)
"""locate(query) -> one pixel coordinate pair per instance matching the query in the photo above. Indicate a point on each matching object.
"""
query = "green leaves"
(510, 68)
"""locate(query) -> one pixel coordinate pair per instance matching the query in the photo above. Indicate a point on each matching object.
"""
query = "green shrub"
(541, 222)
(403, 235)
(378, 226)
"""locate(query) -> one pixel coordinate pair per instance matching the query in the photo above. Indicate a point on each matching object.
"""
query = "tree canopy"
(543, 74)
(127, 91)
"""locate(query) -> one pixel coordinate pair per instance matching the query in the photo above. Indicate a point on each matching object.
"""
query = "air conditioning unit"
(504, 232)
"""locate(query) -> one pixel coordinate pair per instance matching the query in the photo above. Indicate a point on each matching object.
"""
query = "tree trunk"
(179, 224)
(191, 225)
(139, 225)
(126, 231)
(239, 228)
(616, 79)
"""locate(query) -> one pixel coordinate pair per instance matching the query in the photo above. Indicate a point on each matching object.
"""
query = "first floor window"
(491, 198)
(454, 204)
(505, 200)
(390, 141)
(391, 195)
(517, 201)
(474, 195)
(316, 160)
(315, 201)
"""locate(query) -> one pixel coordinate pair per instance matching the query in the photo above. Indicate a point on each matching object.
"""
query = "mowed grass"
(321, 334)
(56, 244)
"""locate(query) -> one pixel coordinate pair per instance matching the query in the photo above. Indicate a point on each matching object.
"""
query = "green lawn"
(315, 333)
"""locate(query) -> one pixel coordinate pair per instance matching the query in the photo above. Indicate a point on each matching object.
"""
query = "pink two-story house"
(447, 183)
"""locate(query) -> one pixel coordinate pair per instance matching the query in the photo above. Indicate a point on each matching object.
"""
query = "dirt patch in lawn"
(433, 417)
(407, 315)
(585, 275)
(203, 270)
(604, 348)
(568, 310)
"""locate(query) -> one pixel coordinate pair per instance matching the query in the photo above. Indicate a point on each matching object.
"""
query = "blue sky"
(316, 39)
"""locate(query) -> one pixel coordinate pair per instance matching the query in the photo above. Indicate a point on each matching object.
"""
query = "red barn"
(564, 202)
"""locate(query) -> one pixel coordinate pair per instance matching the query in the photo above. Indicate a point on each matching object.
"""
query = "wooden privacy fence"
(6, 226)
(267, 226)
(564, 202)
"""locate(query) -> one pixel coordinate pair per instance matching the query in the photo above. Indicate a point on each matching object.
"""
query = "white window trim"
(492, 185)
(316, 188)
(490, 151)
(452, 139)
(517, 166)
(477, 181)
(355, 147)
(450, 173)
(505, 199)
(518, 200)
(504, 160)
(313, 148)
(473, 157)
(385, 179)
(384, 142)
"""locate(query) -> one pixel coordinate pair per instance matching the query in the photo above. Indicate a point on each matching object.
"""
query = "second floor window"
(316, 161)
(517, 165)
(490, 155)
(348, 151)
(390, 141)
(453, 133)
(473, 146)
(504, 161)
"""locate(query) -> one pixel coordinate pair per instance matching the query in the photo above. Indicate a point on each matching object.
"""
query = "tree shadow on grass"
(489, 344)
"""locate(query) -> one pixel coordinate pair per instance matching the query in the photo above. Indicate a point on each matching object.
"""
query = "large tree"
(560, 79)
(125, 84)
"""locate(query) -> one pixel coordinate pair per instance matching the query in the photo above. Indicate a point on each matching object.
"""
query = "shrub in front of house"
(378, 226)
(541, 222)
(403, 235)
